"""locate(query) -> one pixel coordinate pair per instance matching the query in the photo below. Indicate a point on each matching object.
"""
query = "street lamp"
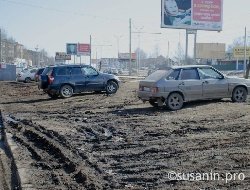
(139, 32)
(118, 42)
(99, 45)
(37, 57)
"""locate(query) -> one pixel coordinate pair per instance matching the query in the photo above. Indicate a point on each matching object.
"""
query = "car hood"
(109, 76)
(234, 79)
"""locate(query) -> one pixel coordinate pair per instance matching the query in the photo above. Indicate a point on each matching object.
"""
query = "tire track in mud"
(52, 152)
(144, 158)
(9, 177)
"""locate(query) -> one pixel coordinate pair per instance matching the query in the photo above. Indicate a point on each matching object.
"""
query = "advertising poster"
(192, 14)
(83, 49)
(71, 48)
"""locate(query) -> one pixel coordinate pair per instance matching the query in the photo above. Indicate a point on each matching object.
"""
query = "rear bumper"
(146, 96)
(248, 90)
(52, 89)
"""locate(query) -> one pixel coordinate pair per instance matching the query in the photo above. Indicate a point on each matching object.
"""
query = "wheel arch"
(63, 84)
(113, 80)
(240, 85)
(179, 92)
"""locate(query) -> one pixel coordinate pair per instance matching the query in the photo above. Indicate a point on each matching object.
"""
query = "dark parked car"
(66, 80)
(38, 73)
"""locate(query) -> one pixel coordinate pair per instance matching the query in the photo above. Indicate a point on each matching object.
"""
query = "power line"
(62, 11)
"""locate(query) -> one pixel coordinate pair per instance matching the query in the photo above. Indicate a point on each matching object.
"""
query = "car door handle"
(205, 82)
(181, 84)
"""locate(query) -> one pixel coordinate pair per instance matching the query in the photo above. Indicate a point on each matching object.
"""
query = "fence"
(7, 72)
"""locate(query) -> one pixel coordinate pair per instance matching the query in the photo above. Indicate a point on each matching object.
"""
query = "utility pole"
(118, 42)
(168, 55)
(245, 50)
(0, 46)
(130, 56)
(37, 57)
(247, 69)
(90, 39)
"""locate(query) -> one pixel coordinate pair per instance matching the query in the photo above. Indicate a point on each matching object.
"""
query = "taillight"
(155, 90)
(51, 79)
(140, 88)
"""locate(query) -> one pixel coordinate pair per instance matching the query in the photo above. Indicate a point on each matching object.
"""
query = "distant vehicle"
(150, 71)
(38, 73)
(27, 75)
(66, 80)
(19, 69)
(113, 71)
(177, 85)
(120, 71)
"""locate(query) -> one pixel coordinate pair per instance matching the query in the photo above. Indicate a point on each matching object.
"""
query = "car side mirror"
(221, 77)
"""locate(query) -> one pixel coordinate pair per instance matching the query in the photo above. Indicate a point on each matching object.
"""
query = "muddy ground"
(94, 141)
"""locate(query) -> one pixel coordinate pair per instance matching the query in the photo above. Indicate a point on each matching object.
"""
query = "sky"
(50, 24)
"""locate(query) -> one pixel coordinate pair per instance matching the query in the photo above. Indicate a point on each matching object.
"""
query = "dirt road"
(94, 141)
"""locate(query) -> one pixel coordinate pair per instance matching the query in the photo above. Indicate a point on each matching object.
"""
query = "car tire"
(66, 91)
(53, 96)
(239, 94)
(27, 80)
(153, 103)
(174, 101)
(111, 87)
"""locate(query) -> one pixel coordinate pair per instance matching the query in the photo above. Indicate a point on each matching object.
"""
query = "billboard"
(239, 52)
(126, 56)
(192, 14)
(71, 48)
(83, 49)
(210, 50)
(62, 56)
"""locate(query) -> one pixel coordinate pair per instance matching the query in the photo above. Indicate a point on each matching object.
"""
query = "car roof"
(71, 65)
(190, 66)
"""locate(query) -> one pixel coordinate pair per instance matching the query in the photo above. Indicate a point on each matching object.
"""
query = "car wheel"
(239, 94)
(27, 80)
(53, 96)
(66, 91)
(111, 87)
(174, 101)
(153, 103)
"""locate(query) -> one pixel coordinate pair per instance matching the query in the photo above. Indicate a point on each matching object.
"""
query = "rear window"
(157, 75)
(174, 74)
(40, 71)
(47, 71)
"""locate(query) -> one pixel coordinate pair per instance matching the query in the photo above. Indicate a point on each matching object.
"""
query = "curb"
(21, 173)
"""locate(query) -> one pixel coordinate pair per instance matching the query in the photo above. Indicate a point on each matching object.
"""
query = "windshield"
(158, 74)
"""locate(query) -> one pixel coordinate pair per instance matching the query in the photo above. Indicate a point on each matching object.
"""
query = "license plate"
(146, 89)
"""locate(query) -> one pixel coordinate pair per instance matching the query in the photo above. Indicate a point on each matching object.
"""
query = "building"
(8, 49)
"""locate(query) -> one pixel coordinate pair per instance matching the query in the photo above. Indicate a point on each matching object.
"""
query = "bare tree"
(179, 55)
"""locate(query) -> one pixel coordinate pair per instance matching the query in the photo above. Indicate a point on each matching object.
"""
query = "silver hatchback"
(181, 84)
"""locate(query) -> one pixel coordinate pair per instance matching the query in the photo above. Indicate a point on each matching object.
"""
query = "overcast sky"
(51, 24)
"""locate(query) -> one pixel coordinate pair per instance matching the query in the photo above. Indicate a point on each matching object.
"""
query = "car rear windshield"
(40, 71)
(47, 71)
(157, 75)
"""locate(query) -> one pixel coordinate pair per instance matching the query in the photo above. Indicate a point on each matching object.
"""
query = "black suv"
(65, 80)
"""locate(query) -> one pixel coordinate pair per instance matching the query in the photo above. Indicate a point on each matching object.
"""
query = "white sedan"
(27, 75)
